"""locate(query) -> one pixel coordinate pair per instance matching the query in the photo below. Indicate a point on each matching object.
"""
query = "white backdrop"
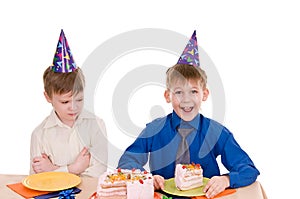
(254, 47)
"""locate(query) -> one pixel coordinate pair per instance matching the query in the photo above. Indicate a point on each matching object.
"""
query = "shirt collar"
(53, 120)
(177, 121)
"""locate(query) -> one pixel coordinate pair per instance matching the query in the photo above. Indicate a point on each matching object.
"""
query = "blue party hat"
(190, 53)
(63, 61)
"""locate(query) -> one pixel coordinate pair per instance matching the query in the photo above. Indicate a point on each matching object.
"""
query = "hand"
(158, 182)
(216, 185)
(81, 163)
(42, 164)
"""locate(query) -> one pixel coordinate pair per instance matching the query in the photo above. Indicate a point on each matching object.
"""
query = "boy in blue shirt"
(161, 140)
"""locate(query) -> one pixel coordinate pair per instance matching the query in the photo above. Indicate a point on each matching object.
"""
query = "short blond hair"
(185, 72)
(59, 83)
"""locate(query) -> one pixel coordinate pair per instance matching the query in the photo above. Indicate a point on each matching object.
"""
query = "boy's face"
(67, 106)
(186, 98)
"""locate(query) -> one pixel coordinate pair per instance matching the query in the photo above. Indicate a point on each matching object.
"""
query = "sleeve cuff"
(233, 178)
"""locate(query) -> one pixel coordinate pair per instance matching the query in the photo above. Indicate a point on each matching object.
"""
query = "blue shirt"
(159, 142)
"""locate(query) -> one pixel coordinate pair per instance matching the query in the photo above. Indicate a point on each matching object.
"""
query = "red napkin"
(19, 188)
(223, 193)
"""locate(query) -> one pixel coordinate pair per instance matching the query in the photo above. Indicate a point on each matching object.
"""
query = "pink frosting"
(134, 189)
(186, 179)
(140, 190)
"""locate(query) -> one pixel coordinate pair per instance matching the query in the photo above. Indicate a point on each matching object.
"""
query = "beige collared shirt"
(62, 143)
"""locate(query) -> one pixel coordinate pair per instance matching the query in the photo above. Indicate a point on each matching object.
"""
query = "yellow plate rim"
(74, 181)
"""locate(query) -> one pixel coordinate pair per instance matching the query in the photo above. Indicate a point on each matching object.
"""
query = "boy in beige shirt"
(70, 139)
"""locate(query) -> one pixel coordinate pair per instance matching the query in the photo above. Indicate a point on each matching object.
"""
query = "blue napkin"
(63, 194)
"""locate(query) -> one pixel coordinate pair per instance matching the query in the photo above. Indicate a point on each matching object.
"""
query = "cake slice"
(140, 186)
(113, 184)
(188, 176)
(125, 184)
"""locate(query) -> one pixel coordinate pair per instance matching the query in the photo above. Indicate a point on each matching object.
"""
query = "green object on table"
(170, 188)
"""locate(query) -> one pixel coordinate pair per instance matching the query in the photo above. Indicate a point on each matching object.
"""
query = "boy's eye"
(65, 102)
(178, 92)
(79, 100)
(194, 91)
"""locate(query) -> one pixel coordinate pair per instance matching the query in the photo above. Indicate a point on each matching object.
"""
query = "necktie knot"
(185, 132)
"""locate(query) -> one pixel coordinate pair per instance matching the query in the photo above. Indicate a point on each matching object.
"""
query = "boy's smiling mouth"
(187, 108)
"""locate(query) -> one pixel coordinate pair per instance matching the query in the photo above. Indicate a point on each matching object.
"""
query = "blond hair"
(185, 72)
(59, 83)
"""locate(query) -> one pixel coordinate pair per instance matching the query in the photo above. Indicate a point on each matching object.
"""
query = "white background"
(254, 46)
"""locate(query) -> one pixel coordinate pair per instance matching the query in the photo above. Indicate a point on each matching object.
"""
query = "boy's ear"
(167, 96)
(47, 97)
(205, 94)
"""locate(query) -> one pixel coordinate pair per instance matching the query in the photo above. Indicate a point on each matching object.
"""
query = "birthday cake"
(125, 184)
(188, 176)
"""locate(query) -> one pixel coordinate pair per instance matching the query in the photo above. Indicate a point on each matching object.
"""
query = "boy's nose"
(74, 106)
(186, 97)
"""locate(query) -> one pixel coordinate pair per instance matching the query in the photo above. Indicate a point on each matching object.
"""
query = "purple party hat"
(190, 54)
(63, 61)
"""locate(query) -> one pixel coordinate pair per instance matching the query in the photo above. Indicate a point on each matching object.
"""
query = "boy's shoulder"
(162, 118)
(209, 121)
(41, 126)
(213, 127)
(160, 121)
(89, 118)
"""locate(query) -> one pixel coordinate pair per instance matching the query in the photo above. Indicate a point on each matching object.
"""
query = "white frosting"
(186, 179)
